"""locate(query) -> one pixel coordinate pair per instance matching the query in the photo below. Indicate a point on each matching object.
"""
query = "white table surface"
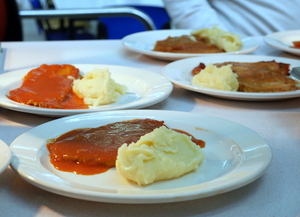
(276, 193)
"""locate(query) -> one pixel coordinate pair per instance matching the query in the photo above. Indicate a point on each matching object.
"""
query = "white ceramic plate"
(5, 156)
(234, 157)
(179, 73)
(144, 42)
(283, 41)
(145, 88)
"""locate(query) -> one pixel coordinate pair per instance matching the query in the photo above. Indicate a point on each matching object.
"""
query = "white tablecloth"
(276, 193)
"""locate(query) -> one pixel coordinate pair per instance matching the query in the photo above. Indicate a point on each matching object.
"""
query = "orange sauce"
(296, 44)
(198, 142)
(94, 150)
(91, 151)
(49, 86)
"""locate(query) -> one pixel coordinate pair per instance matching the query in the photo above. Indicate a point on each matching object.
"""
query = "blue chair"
(118, 27)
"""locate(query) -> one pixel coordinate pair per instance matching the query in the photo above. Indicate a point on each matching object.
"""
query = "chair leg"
(71, 30)
(167, 25)
(101, 31)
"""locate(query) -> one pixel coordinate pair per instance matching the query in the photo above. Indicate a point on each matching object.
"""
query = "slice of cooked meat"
(46, 86)
(262, 67)
(264, 76)
(185, 44)
(99, 146)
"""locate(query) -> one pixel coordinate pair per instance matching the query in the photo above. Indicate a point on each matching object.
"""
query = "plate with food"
(288, 41)
(5, 156)
(178, 44)
(211, 156)
(237, 77)
(60, 90)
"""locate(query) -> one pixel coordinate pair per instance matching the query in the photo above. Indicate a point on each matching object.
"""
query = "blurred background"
(112, 27)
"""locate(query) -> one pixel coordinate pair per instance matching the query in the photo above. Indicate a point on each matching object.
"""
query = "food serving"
(62, 87)
(98, 88)
(263, 76)
(159, 155)
(206, 40)
(221, 78)
(49, 86)
(224, 146)
(89, 151)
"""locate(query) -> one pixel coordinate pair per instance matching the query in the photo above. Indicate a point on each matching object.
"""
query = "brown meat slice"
(185, 44)
(46, 86)
(99, 146)
(264, 76)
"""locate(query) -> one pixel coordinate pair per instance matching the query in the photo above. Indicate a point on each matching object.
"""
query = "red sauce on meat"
(49, 86)
(296, 44)
(94, 150)
(91, 151)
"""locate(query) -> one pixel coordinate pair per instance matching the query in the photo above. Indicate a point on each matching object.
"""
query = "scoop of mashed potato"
(227, 41)
(222, 78)
(159, 155)
(98, 88)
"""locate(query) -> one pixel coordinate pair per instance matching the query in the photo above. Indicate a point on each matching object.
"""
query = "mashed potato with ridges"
(222, 78)
(159, 155)
(227, 41)
(98, 88)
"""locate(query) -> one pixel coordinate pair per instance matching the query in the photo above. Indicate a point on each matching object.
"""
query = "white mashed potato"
(227, 41)
(222, 78)
(159, 155)
(98, 88)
